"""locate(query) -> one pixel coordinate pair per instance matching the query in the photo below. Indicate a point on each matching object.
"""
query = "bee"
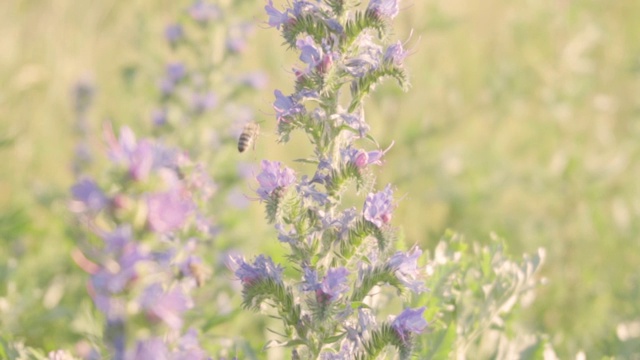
(198, 272)
(248, 137)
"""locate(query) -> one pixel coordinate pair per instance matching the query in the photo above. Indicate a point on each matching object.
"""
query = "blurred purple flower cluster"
(145, 223)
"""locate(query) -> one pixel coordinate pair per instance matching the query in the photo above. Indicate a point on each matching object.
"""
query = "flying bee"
(248, 137)
(198, 272)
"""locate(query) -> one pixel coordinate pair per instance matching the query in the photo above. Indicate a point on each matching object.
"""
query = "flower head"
(168, 211)
(368, 58)
(333, 285)
(173, 33)
(201, 102)
(286, 107)
(272, 177)
(189, 347)
(261, 269)
(166, 306)
(409, 322)
(378, 207)
(153, 348)
(405, 266)
(310, 53)
(384, 8)
(138, 156)
(353, 120)
(276, 17)
(115, 276)
(395, 54)
(88, 195)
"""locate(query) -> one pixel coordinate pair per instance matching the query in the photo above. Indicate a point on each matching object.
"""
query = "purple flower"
(166, 306)
(189, 347)
(88, 195)
(175, 71)
(378, 207)
(168, 211)
(368, 58)
(289, 237)
(395, 54)
(384, 8)
(311, 196)
(354, 121)
(166, 87)
(261, 269)
(285, 106)
(276, 18)
(118, 239)
(204, 12)
(141, 160)
(409, 322)
(361, 158)
(153, 348)
(139, 157)
(114, 277)
(159, 117)
(173, 33)
(310, 53)
(310, 282)
(405, 266)
(201, 102)
(333, 285)
(272, 177)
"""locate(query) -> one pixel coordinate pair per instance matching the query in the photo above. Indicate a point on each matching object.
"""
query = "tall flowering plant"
(343, 257)
(147, 225)
(200, 105)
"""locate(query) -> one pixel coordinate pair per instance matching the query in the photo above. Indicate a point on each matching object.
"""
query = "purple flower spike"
(410, 321)
(262, 268)
(276, 18)
(333, 285)
(285, 106)
(405, 266)
(378, 207)
(395, 54)
(166, 306)
(88, 195)
(168, 211)
(384, 8)
(272, 177)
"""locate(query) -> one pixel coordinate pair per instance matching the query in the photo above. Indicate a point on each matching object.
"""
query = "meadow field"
(522, 122)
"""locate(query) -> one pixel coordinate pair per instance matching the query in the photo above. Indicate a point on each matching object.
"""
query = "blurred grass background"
(523, 119)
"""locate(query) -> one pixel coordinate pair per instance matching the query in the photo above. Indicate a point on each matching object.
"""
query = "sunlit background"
(523, 119)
